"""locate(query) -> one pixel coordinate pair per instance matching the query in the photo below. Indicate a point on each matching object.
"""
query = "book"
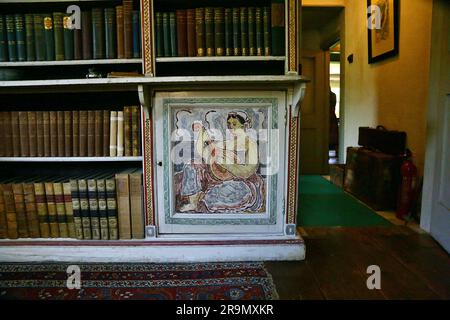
(91, 133)
(19, 204)
(32, 133)
(7, 134)
(244, 30)
(77, 43)
(209, 31)
(102, 209)
(31, 210)
(86, 34)
(277, 27)
(98, 133)
(60, 133)
(166, 34)
(42, 210)
(3, 221)
(75, 133)
(136, 205)
(40, 152)
(60, 209)
(136, 21)
(11, 37)
(98, 34)
(51, 207)
(128, 28)
(200, 31)
(190, 32)
(123, 205)
(47, 134)
(159, 35)
(29, 35)
(259, 31)
(49, 37)
(19, 23)
(3, 47)
(39, 37)
(68, 133)
(84, 209)
(219, 31)
(110, 33)
(83, 139)
(181, 33)
(15, 134)
(111, 203)
(267, 31)
(106, 127)
(58, 32)
(236, 32)
(120, 134)
(113, 134)
(135, 125)
(120, 32)
(76, 209)
(251, 31)
(23, 133)
(68, 206)
(68, 34)
(93, 209)
(3, 125)
(10, 211)
(128, 151)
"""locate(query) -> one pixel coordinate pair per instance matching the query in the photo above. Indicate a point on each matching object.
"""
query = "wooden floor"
(413, 265)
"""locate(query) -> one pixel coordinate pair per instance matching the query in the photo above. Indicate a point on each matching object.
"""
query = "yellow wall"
(323, 3)
(394, 92)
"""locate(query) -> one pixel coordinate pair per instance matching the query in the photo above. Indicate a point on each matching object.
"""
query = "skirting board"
(160, 253)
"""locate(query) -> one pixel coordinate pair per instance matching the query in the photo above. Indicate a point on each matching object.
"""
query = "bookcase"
(203, 194)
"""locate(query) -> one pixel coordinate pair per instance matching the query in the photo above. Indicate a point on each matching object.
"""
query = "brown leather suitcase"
(373, 177)
(380, 139)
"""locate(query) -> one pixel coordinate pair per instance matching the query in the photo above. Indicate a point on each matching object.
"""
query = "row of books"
(79, 133)
(104, 33)
(93, 206)
(218, 31)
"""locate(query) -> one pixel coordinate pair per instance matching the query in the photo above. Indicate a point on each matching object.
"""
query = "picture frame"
(383, 29)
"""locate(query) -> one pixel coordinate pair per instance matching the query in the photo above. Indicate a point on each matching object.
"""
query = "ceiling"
(315, 18)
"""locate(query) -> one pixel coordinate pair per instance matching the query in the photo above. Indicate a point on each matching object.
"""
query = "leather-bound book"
(236, 31)
(40, 134)
(91, 134)
(84, 209)
(219, 31)
(166, 33)
(113, 134)
(120, 135)
(190, 30)
(259, 31)
(102, 209)
(23, 133)
(119, 32)
(267, 31)
(128, 28)
(123, 205)
(277, 28)
(106, 127)
(3, 40)
(61, 133)
(86, 34)
(244, 30)
(10, 209)
(39, 37)
(68, 33)
(98, 34)
(3, 222)
(19, 23)
(135, 125)
(78, 44)
(49, 37)
(209, 31)
(2, 132)
(75, 133)
(98, 133)
(159, 35)
(228, 25)
(11, 37)
(181, 33)
(83, 133)
(110, 33)
(53, 134)
(76, 209)
(42, 210)
(31, 210)
(67, 191)
(58, 30)
(136, 21)
(32, 133)
(15, 133)
(93, 209)
(47, 134)
(21, 216)
(51, 207)
(112, 209)
(251, 31)
(8, 134)
(127, 119)
(29, 36)
(60, 210)
(200, 31)
(136, 206)
(68, 133)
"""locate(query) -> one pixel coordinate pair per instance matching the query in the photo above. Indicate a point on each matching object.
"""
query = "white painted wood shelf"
(68, 62)
(70, 159)
(220, 59)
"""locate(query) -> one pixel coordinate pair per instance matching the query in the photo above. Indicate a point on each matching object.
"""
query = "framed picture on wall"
(383, 29)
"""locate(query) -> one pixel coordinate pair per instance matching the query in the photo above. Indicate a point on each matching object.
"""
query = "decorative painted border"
(147, 36)
(292, 25)
(148, 163)
(291, 217)
(273, 179)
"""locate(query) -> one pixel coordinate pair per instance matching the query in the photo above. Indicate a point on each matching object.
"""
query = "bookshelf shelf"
(217, 59)
(71, 159)
(69, 62)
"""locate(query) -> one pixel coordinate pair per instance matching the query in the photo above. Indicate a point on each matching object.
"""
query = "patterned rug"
(206, 281)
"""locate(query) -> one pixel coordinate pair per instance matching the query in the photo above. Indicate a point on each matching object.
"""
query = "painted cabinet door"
(220, 157)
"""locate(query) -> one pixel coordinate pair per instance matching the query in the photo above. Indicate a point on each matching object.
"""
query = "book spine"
(135, 124)
(51, 207)
(3, 221)
(77, 44)
(76, 209)
(15, 133)
(7, 134)
(29, 34)
(112, 209)
(181, 33)
(60, 210)
(136, 209)
(61, 133)
(123, 206)
(67, 191)
(68, 34)
(251, 31)
(93, 209)
(244, 30)
(42, 211)
(127, 131)
(159, 34)
(267, 31)
(219, 31)
(136, 34)
(119, 32)
(166, 34)
(3, 47)
(128, 28)
(98, 33)
(47, 134)
(277, 27)
(31, 210)
(75, 133)
(259, 31)
(20, 37)
(113, 135)
(39, 37)
(19, 203)
(53, 134)
(91, 134)
(106, 135)
(11, 37)
(190, 29)
(102, 209)
(98, 133)
(86, 34)
(110, 33)
(58, 35)
(84, 209)
(236, 32)
(10, 211)
(3, 128)
(49, 37)
(32, 133)
(83, 133)
(23, 133)
(40, 134)
(68, 133)
(200, 31)
(209, 31)
(120, 137)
